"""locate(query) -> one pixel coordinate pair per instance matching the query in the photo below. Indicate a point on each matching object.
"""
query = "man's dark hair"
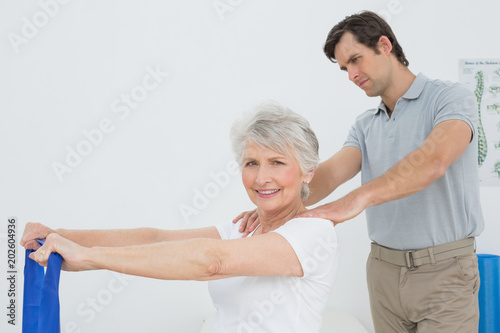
(367, 27)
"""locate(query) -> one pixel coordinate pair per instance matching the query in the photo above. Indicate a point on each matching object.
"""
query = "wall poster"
(483, 77)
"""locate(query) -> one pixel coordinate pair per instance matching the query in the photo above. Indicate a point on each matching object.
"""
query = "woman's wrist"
(90, 258)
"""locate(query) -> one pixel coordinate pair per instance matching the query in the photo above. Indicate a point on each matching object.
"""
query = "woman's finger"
(31, 245)
(33, 231)
(41, 255)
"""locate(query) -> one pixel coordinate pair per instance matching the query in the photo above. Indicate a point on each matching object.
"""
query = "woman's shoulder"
(312, 220)
(310, 224)
(315, 243)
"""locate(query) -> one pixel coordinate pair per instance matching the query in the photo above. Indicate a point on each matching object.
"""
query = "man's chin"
(371, 93)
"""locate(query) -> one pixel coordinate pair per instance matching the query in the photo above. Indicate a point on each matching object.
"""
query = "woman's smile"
(267, 193)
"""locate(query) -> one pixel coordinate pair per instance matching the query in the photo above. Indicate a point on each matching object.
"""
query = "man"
(417, 153)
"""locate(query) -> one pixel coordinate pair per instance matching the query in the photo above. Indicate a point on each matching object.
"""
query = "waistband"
(414, 258)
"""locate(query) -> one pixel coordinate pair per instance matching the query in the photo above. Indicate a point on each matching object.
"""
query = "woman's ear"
(309, 176)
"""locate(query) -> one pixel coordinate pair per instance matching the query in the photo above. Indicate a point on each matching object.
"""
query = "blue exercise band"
(41, 295)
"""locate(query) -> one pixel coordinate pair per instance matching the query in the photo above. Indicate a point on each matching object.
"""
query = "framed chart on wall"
(483, 77)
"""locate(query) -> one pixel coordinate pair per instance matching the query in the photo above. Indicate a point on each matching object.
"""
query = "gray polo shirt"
(447, 210)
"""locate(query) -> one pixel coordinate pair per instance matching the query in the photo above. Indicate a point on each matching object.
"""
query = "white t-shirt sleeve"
(315, 243)
(229, 230)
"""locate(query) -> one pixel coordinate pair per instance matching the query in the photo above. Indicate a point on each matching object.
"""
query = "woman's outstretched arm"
(194, 259)
(113, 237)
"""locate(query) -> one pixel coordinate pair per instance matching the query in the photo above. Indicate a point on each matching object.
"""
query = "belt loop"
(410, 264)
(431, 256)
(378, 252)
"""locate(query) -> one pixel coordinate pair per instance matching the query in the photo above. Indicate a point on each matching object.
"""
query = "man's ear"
(384, 45)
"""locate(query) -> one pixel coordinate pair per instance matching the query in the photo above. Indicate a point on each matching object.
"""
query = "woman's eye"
(278, 162)
(250, 164)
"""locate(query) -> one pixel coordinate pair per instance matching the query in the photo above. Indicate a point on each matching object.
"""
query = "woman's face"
(273, 181)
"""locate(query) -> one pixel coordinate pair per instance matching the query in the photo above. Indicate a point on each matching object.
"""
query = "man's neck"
(398, 86)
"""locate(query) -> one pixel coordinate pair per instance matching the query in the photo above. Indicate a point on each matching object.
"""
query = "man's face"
(367, 69)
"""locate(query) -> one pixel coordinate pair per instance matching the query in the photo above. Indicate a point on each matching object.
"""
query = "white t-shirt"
(279, 303)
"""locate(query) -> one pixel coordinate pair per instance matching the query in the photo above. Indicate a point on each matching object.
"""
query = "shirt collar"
(416, 87)
(413, 92)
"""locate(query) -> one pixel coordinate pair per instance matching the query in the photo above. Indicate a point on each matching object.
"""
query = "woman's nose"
(263, 176)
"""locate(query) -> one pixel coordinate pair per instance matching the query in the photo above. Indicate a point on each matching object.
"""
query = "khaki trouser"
(434, 297)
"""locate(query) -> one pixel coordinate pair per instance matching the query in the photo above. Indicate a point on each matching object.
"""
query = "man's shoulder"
(442, 94)
(437, 86)
(367, 115)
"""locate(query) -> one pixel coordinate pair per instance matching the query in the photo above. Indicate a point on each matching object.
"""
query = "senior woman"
(276, 280)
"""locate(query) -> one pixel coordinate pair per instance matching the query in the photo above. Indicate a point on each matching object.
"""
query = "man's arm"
(416, 171)
(333, 172)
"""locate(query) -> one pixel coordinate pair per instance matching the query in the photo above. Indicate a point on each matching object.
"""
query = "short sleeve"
(229, 230)
(355, 137)
(315, 243)
(457, 102)
(352, 139)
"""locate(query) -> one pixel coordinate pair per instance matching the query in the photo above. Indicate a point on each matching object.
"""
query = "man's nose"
(353, 74)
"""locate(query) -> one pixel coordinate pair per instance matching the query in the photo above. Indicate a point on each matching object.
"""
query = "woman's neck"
(273, 220)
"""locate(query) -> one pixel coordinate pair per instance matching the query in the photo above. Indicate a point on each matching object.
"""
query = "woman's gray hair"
(276, 127)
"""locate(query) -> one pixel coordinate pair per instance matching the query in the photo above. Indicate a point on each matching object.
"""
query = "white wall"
(70, 75)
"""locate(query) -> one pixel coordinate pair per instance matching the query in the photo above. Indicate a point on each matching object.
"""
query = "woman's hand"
(33, 231)
(250, 221)
(74, 255)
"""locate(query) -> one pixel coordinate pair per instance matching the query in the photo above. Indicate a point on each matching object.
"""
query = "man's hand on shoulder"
(249, 221)
(339, 210)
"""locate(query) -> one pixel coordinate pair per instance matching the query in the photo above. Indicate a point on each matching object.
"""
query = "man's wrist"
(362, 197)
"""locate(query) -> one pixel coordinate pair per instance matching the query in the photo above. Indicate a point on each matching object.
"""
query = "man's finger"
(252, 223)
(239, 217)
(244, 221)
(322, 212)
(309, 213)
(247, 220)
